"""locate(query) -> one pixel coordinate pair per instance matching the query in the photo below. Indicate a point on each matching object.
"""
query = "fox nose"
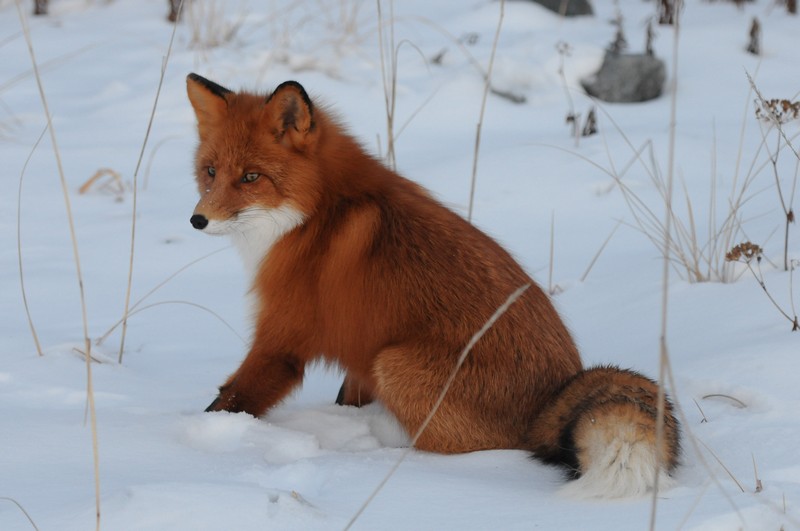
(198, 221)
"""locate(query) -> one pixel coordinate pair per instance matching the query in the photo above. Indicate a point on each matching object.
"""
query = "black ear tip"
(298, 87)
(214, 88)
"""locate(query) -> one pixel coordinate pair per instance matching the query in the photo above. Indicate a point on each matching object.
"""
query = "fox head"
(254, 164)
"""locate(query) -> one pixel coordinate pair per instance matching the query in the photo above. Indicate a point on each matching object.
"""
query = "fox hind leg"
(409, 380)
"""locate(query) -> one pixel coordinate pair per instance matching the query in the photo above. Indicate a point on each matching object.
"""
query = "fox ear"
(291, 114)
(208, 99)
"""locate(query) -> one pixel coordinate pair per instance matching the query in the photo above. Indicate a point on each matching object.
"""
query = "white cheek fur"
(255, 230)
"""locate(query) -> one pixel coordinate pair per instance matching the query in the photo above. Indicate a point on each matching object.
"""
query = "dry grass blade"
(704, 419)
(21, 508)
(105, 180)
(690, 437)
(475, 338)
(759, 277)
(153, 152)
(194, 305)
(486, 88)
(736, 401)
(759, 485)
(108, 332)
(664, 363)
(136, 186)
(725, 468)
(45, 66)
(76, 256)
(600, 251)
(19, 245)
(693, 261)
(792, 266)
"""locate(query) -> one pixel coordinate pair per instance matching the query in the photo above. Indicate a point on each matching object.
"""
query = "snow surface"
(309, 464)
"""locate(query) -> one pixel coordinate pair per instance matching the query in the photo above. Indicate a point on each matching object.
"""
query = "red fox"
(355, 265)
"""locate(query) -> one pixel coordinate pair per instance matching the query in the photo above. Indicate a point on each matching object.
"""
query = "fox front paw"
(225, 401)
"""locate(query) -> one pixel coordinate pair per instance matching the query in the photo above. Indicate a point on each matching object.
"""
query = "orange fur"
(362, 268)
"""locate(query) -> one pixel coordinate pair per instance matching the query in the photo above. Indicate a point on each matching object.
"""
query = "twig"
(475, 338)
(19, 245)
(486, 87)
(76, 255)
(135, 186)
(28, 516)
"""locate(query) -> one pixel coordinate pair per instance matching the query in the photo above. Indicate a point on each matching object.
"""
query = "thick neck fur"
(263, 228)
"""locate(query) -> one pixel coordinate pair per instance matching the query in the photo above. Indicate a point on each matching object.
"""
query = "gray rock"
(626, 77)
(570, 8)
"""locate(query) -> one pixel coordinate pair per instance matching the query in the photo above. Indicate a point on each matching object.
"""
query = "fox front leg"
(261, 382)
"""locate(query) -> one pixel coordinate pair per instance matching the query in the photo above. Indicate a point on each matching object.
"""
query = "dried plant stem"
(600, 251)
(550, 288)
(572, 117)
(21, 508)
(787, 209)
(389, 80)
(193, 304)
(759, 485)
(158, 145)
(475, 338)
(759, 276)
(664, 363)
(19, 245)
(46, 66)
(108, 332)
(786, 205)
(136, 187)
(792, 265)
(486, 87)
(76, 255)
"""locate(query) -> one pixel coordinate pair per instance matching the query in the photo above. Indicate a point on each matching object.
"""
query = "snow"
(308, 464)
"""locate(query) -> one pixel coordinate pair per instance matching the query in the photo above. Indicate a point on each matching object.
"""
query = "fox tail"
(601, 426)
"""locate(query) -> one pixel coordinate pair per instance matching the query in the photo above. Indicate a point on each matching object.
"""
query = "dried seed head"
(744, 252)
(777, 111)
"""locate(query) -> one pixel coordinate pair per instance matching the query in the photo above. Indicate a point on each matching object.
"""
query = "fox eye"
(250, 177)
(212, 171)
